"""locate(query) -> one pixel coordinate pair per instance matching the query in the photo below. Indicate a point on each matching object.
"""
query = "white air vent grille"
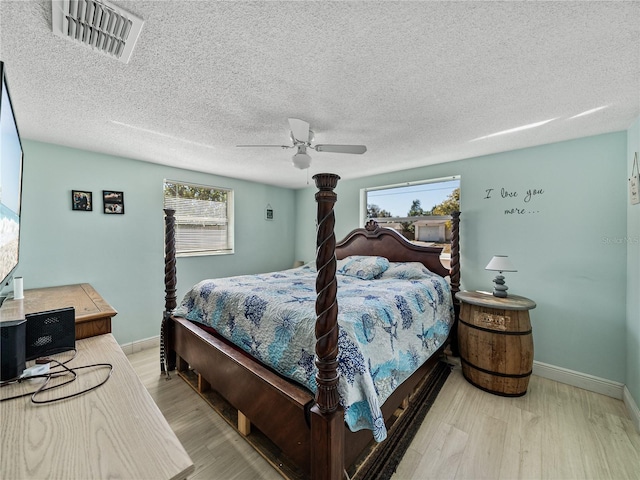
(98, 24)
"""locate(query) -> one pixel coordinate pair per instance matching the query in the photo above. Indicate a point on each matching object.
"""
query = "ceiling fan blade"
(341, 148)
(299, 129)
(279, 146)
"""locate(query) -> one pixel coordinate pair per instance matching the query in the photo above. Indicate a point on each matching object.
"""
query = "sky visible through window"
(398, 200)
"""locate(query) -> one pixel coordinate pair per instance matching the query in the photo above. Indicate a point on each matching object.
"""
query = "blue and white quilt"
(391, 317)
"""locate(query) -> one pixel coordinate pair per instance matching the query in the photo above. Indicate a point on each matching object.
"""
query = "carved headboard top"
(374, 240)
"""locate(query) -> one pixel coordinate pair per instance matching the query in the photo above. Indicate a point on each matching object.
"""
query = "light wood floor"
(555, 431)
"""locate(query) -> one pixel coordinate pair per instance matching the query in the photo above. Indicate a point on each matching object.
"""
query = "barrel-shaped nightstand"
(496, 342)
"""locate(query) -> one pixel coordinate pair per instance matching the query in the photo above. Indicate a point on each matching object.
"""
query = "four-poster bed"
(308, 428)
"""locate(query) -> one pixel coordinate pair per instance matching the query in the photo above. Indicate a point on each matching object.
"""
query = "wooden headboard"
(384, 242)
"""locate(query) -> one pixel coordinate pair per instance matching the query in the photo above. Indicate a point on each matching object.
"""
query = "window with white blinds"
(204, 218)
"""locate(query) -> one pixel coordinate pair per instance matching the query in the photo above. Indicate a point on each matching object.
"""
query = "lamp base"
(500, 289)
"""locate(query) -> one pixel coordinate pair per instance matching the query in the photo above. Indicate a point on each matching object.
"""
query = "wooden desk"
(93, 313)
(115, 431)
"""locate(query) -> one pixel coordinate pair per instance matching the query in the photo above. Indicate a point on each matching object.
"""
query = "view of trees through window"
(416, 210)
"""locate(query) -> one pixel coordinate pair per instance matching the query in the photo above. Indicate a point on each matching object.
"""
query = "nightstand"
(495, 341)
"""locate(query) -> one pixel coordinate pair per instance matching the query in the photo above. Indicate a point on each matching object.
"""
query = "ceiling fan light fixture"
(301, 160)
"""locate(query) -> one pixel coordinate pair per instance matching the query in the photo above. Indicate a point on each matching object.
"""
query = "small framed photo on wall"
(113, 202)
(81, 200)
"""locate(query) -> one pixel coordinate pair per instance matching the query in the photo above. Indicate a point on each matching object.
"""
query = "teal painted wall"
(122, 255)
(567, 243)
(633, 275)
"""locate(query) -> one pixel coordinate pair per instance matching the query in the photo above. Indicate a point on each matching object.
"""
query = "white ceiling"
(416, 82)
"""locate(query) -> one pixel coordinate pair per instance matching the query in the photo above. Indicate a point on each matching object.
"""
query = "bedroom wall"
(122, 255)
(567, 242)
(633, 275)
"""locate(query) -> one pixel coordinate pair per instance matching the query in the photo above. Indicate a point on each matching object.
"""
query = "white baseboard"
(139, 345)
(578, 379)
(632, 407)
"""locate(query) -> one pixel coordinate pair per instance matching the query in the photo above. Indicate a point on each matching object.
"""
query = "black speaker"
(50, 332)
(12, 349)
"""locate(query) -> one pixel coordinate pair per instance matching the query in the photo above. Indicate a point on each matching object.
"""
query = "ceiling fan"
(302, 136)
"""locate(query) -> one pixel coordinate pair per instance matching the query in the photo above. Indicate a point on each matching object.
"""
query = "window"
(418, 210)
(204, 218)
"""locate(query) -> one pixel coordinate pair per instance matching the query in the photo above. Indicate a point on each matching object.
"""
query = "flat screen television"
(11, 162)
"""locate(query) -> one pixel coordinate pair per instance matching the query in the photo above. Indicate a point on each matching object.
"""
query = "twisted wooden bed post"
(167, 354)
(327, 418)
(455, 278)
(455, 252)
(326, 288)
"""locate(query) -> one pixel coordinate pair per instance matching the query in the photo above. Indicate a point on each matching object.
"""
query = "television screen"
(10, 185)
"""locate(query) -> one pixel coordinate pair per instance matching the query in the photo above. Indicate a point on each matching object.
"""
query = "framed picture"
(113, 202)
(81, 200)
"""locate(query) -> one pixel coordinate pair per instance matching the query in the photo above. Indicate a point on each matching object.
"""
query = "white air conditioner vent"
(98, 24)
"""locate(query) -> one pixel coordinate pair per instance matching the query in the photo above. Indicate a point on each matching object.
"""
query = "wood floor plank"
(522, 454)
(625, 442)
(483, 453)
(562, 456)
(442, 455)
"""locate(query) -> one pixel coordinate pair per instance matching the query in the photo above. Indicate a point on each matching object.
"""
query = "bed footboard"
(277, 407)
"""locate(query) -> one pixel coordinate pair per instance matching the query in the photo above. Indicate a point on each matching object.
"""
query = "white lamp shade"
(500, 263)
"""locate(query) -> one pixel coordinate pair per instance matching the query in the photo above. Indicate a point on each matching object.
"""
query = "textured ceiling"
(417, 82)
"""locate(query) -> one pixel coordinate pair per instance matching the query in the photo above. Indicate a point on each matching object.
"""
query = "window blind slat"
(202, 225)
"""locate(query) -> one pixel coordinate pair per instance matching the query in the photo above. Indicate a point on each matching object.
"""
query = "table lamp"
(500, 263)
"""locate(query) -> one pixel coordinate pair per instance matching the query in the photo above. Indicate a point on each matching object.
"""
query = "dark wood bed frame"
(310, 431)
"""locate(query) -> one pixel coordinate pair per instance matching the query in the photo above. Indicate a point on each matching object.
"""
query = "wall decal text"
(526, 197)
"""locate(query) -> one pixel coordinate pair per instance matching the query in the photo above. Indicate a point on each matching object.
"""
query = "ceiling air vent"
(97, 24)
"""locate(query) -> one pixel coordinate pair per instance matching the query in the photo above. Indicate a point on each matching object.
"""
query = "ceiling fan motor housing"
(297, 141)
